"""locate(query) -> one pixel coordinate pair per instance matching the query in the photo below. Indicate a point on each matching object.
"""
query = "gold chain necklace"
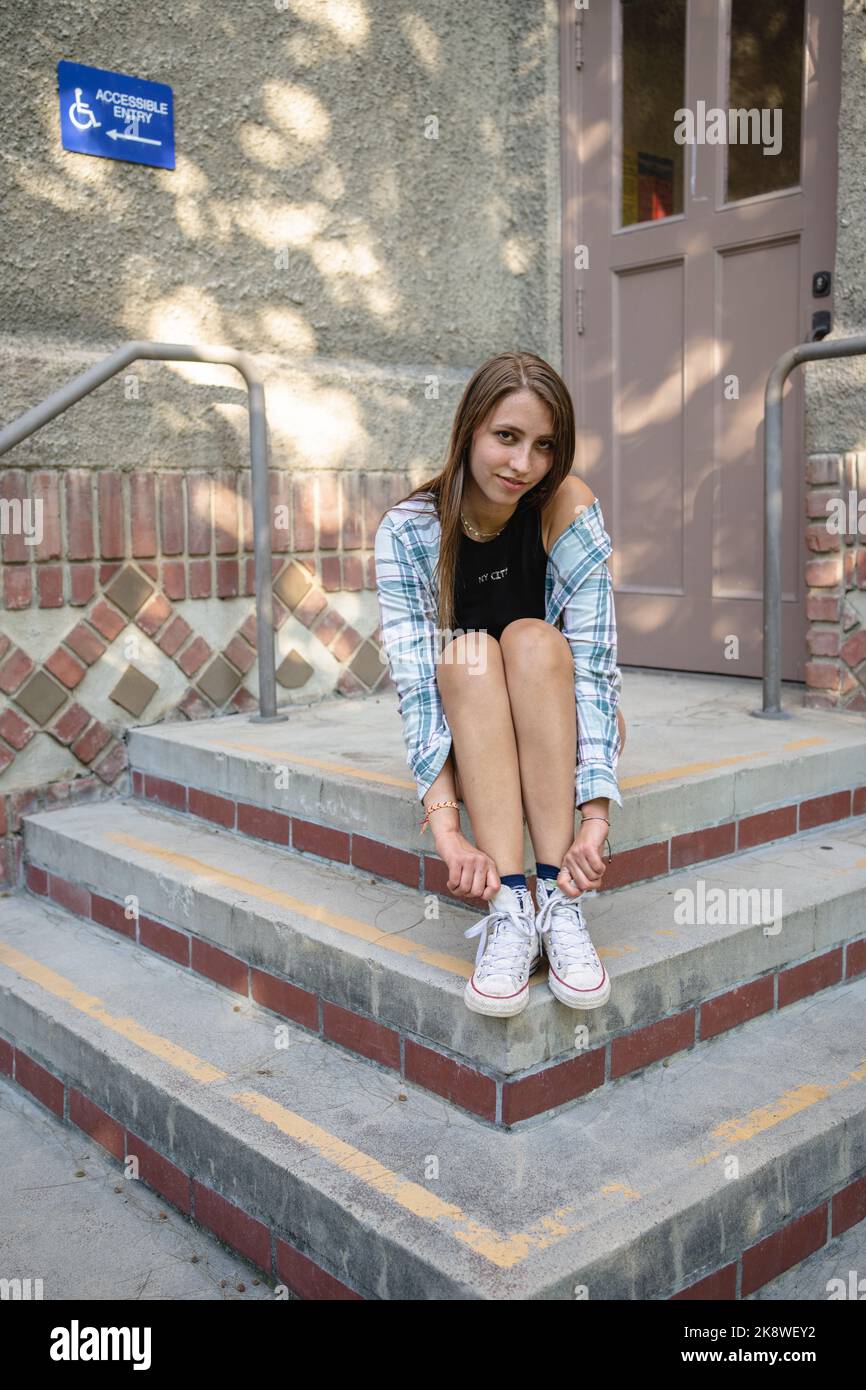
(482, 535)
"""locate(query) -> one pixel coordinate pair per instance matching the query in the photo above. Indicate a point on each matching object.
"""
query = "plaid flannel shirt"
(578, 600)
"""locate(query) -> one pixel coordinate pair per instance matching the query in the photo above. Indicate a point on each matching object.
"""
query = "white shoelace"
(506, 950)
(572, 940)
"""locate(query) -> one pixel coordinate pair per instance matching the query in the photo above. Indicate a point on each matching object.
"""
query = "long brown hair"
(495, 378)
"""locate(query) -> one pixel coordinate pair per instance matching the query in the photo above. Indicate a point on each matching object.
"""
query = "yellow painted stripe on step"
(620, 1187)
(842, 869)
(320, 764)
(504, 1251)
(94, 1007)
(665, 774)
(352, 770)
(646, 779)
(711, 764)
(352, 926)
(764, 1117)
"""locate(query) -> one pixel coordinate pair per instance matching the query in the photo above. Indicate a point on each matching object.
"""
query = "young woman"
(497, 621)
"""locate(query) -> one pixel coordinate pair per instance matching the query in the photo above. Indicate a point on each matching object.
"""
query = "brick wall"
(836, 585)
(120, 553)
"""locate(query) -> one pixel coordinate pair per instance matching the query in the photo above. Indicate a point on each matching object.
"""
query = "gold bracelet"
(436, 808)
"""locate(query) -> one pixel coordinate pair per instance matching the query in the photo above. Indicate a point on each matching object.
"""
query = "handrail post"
(804, 352)
(260, 495)
(772, 654)
(80, 386)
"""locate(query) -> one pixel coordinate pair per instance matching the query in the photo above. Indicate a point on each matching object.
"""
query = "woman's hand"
(471, 872)
(582, 866)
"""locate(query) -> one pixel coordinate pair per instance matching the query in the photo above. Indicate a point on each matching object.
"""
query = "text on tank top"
(503, 579)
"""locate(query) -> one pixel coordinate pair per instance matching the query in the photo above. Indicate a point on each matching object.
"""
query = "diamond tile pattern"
(294, 671)
(129, 590)
(219, 681)
(41, 697)
(134, 691)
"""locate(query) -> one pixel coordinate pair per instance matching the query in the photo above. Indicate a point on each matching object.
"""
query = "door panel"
(648, 391)
(767, 273)
(688, 273)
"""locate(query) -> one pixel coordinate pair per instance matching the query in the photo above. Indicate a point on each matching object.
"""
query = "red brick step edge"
(284, 1262)
(428, 873)
(492, 1096)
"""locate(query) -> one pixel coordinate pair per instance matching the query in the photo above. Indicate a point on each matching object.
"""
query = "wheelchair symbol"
(81, 109)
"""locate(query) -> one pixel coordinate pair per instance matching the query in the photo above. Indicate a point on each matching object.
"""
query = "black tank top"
(503, 579)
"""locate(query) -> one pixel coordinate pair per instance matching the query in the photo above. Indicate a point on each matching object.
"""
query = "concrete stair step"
(708, 1179)
(832, 1273)
(120, 1242)
(700, 778)
(380, 970)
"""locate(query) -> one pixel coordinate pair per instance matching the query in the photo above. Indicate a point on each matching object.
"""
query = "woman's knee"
(469, 654)
(536, 640)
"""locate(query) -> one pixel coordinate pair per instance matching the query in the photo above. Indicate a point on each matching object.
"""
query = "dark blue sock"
(513, 880)
(546, 871)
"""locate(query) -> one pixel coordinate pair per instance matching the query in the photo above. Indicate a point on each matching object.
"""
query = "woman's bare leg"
(539, 674)
(472, 684)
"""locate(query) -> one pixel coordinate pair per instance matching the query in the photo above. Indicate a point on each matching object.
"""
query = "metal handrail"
(803, 352)
(82, 385)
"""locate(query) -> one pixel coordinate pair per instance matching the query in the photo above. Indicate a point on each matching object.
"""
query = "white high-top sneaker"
(575, 974)
(508, 953)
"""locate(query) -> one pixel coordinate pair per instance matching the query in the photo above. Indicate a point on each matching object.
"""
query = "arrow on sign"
(126, 135)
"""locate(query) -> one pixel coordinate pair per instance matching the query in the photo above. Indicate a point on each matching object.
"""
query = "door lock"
(821, 325)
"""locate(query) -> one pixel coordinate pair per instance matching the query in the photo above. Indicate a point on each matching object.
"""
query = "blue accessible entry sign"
(114, 116)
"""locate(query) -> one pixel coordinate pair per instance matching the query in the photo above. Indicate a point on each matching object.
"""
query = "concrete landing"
(120, 1241)
(694, 757)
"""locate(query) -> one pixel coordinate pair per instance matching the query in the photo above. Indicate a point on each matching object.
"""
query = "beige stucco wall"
(308, 219)
(836, 391)
(311, 221)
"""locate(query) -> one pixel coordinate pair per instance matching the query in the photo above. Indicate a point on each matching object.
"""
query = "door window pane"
(653, 89)
(765, 78)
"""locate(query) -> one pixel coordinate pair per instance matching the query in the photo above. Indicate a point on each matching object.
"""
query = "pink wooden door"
(688, 270)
